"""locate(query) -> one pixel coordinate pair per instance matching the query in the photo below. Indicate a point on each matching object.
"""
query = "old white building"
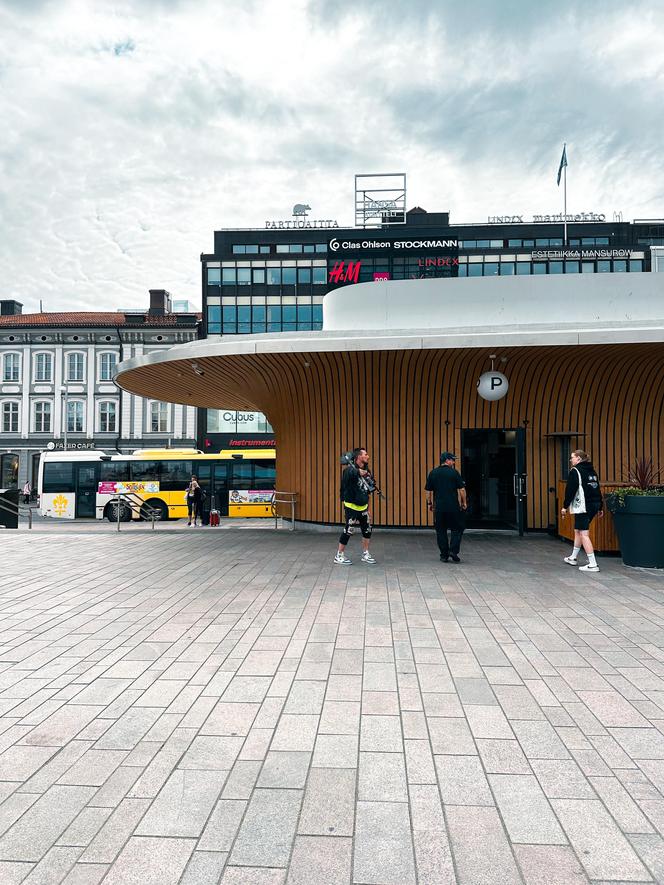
(57, 388)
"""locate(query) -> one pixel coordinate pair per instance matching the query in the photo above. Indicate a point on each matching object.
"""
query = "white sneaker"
(368, 558)
(570, 560)
(589, 568)
(342, 559)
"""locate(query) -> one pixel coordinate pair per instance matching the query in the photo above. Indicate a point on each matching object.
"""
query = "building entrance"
(493, 468)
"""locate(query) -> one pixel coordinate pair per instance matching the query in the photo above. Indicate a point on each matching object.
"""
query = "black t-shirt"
(444, 481)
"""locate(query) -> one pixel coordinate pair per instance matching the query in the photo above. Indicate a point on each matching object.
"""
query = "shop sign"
(440, 261)
(543, 254)
(243, 496)
(382, 275)
(54, 445)
(336, 245)
(126, 488)
(301, 223)
(228, 441)
(557, 216)
(345, 272)
(492, 385)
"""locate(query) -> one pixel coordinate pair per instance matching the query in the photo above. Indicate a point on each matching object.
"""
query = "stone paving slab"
(187, 708)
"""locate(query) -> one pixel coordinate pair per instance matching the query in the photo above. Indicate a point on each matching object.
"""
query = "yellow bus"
(87, 483)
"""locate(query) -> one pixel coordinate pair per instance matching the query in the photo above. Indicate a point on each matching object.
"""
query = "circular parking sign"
(492, 386)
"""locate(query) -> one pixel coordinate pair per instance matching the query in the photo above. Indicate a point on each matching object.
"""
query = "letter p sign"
(492, 386)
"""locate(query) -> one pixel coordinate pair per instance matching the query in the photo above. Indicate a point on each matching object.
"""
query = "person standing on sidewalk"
(446, 497)
(193, 497)
(356, 486)
(27, 492)
(583, 499)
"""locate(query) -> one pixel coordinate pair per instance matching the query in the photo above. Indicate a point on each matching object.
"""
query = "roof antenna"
(41, 309)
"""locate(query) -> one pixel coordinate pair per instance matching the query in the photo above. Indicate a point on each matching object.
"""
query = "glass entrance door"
(494, 471)
(86, 490)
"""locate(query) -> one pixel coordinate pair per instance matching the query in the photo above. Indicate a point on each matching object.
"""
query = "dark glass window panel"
(239, 249)
(264, 250)
(266, 474)
(259, 327)
(572, 267)
(588, 267)
(58, 477)
(304, 314)
(244, 313)
(635, 265)
(175, 475)
(603, 267)
(555, 241)
(214, 276)
(496, 244)
(243, 328)
(474, 270)
(507, 269)
(282, 247)
(523, 268)
(214, 313)
(274, 276)
(214, 329)
(202, 472)
(321, 247)
(317, 313)
(601, 241)
(258, 313)
(241, 472)
(539, 267)
(243, 276)
(229, 313)
(575, 242)
(144, 471)
(288, 276)
(221, 475)
(482, 244)
(274, 313)
(252, 250)
(463, 271)
(555, 267)
(114, 471)
(259, 275)
(308, 247)
(228, 276)
(528, 244)
(295, 248)
(274, 327)
(490, 269)
(542, 242)
(514, 244)
(320, 275)
(289, 327)
(587, 241)
(289, 313)
(620, 267)
(304, 274)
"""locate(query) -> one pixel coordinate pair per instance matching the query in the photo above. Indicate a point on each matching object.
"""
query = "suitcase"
(214, 517)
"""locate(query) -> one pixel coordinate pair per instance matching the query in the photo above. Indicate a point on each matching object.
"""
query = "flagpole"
(565, 197)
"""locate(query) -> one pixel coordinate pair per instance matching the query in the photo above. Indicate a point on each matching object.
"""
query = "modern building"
(57, 388)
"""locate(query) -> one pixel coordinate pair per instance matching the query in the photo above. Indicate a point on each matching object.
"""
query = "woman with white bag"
(583, 499)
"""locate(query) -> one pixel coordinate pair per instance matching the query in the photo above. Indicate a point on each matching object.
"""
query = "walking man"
(446, 496)
(355, 490)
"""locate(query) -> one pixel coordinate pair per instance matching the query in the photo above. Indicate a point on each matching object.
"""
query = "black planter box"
(640, 528)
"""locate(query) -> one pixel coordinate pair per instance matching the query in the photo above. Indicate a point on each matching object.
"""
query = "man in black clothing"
(355, 491)
(446, 496)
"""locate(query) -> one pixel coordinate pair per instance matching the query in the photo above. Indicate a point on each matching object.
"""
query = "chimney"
(160, 303)
(10, 308)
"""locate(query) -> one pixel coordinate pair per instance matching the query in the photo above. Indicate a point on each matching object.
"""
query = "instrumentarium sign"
(336, 245)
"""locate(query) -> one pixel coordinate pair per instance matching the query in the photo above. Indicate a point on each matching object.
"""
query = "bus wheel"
(112, 512)
(155, 504)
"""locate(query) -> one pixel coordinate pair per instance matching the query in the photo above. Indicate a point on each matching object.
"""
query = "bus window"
(58, 477)
(264, 475)
(242, 473)
(221, 475)
(145, 471)
(114, 471)
(203, 471)
(175, 475)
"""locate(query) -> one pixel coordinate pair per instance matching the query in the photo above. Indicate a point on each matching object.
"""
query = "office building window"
(42, 420)
(523, 268)
(11, 367)
(158, 417)
(555, 267)
(107, 364)
(603, 267)
(74, 416)
(490, 269)
(587, 267)
(107, 417)
(43, 367)
(572, 267)
(635, 265)
(619, 266)
(75, 363)
(10, 412)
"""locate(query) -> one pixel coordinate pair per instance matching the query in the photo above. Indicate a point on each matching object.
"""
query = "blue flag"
(563, 162)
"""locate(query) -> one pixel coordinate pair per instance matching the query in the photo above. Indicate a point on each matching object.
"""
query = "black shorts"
(582, 520)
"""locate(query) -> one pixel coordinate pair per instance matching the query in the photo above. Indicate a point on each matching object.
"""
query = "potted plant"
(638, 515)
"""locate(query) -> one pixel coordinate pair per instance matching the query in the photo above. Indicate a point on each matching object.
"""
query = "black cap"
(447, 456)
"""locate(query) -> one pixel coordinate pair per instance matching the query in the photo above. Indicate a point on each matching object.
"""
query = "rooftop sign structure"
(380, 199)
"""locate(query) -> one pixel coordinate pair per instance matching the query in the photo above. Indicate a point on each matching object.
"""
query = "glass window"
(304, 274)
(158, 417)
(244, 314)
(575, 242)
(251, 250)
(507, 268)
(74, 416)
(587, 267)
(308, 247)
(42, 417)
(241, 472)
(635, 265)
(258, 313)
(572, 267)
(229, 314)
(214, 313)
(321, 247)
(214, 328)
(274, 276)
(114, 471)
(58, 477)
(587, 241)
(43, 367)
(601, 241)
(620, 267)
(295, 248)
(514, 244)
(541, 242)
(490, 268)
(288, 276)
(10, 417)
(555, 267)
(282, 247)
(228, 276)
(107, 364)
(317, 319)
(474, 270)
(243, 276)
(258, 275)
(214, 276)
(145, 471)
(239, 249)
(555, 241)
(264, 475)
(11, 367)
(463, 272)
(496, 244)
(107, 419)
(603, 267)
(304, 315)
(320, 275)
(274, 315)
(528, 244)
(288, 313)
(539, 267)
(523, 267)
(74, 367)
(175, 475)
(264, 250)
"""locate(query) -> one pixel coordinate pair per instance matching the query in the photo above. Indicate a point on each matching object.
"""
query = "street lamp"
(64, 391)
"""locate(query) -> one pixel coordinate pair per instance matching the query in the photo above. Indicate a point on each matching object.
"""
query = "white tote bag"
(578, 505)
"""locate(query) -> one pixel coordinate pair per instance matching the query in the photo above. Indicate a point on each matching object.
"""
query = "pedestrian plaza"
(183, 708)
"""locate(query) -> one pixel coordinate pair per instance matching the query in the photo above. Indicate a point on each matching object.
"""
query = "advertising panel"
(124, 488)
(244, 496)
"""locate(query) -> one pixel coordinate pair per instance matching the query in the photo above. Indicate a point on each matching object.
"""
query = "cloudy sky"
(131, 130)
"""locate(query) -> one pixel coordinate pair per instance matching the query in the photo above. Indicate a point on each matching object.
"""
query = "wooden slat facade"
(406, 406)
(602, 530)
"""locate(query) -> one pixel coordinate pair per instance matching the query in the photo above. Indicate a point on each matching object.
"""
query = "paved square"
(232, 707)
